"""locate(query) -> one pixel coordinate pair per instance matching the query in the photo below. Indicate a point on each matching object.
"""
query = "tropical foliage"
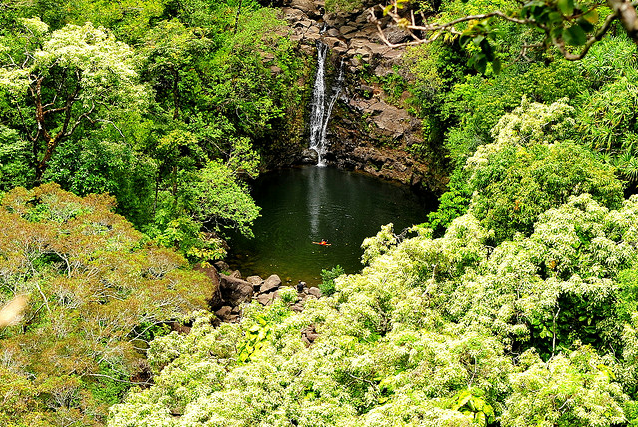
(98, 292)
(165, 126)
(515, 305)
(434, 331)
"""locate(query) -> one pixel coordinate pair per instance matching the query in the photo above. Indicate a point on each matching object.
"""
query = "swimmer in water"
(323, 242)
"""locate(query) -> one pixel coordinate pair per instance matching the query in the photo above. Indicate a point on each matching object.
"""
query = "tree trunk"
(175, 94)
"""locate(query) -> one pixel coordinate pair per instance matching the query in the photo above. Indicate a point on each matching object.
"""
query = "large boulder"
(270, 284)
(264, 299)
(235, 291)
(224, 313)
(267, 298)
(306, 6)
(314, 291)
(215, 297)
(221, 266)
(256, 281)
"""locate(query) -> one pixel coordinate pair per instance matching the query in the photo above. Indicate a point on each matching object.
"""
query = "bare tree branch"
(626, 12)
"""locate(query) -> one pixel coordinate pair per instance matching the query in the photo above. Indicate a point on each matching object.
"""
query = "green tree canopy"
(445, 331)
(61, 80)
(97, 292)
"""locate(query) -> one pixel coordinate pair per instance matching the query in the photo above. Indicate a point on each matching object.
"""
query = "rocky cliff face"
(370, 129)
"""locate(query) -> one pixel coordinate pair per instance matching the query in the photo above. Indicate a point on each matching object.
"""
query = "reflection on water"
(305, 205)
(316, 198)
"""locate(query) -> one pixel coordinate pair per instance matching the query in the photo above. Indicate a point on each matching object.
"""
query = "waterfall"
(318, 103)
(320, 109)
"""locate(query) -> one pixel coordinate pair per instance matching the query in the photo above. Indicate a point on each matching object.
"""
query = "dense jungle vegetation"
(128, 133)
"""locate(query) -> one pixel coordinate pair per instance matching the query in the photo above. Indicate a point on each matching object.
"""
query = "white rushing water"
(322, 104)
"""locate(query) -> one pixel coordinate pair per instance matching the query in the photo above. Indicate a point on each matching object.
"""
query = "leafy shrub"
(327, 286)
(288, 295)
(432, 332)
(98, 291)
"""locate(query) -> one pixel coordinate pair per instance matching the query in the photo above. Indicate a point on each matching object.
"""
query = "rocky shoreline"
(233, 291)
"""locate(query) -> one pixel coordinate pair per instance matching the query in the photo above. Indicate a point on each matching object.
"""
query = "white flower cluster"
(427, 319)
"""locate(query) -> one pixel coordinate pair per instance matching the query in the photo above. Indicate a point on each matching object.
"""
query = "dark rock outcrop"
(221, 266)
(232, 292)
(309, 156)
(224, 313)
(309, 335)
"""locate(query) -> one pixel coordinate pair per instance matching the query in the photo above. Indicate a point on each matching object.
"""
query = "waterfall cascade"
(322, 104)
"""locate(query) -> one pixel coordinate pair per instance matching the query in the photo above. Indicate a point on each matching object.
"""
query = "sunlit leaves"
(480, 34)
(471, 403)
(431, 332)
(223, 200)
(574, 389)
(528, 160)
(566, 7)
(73, 76)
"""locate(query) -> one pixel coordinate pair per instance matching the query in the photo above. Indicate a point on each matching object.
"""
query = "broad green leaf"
(574, 36)
(486, 48)
(566, 7)
(464, 396)
(496, 65)
(479, 418)
(538, 11)
(555, 17)
(585, 25)
(592, 16)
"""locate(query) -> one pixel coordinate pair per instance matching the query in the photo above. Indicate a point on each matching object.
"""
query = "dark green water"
(305, 205)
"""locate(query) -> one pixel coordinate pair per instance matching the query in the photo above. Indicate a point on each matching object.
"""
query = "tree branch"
(27, 131)
(626, 12)
(121, 381)
(560, 44)
(437, 29)
(623, 10)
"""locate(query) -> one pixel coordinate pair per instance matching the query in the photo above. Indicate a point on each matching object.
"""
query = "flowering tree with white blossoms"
(445, 331)
(61, 80)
